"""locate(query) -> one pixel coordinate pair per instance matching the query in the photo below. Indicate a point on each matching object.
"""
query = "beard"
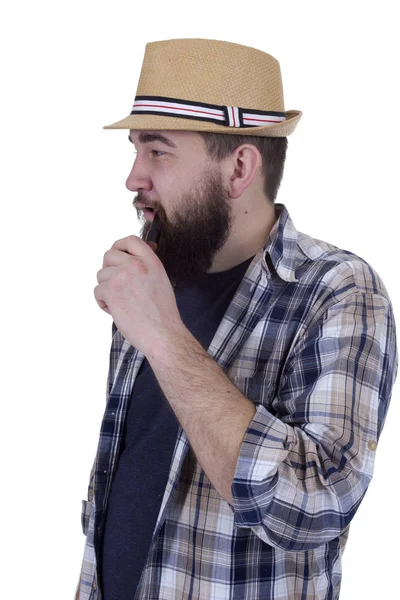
(198, 228)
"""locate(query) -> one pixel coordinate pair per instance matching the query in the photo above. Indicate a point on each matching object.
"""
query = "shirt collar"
(282, 247)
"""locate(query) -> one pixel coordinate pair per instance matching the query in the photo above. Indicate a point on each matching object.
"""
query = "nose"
(138, 178)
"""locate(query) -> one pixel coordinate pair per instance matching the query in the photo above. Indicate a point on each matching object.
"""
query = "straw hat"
(209, 85)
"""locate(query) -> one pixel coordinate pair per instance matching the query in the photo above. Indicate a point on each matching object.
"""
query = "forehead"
(170, 138)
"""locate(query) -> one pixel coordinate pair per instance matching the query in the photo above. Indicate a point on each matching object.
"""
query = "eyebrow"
(145, 138)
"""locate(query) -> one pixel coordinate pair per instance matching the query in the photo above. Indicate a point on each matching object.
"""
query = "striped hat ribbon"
(229, 116)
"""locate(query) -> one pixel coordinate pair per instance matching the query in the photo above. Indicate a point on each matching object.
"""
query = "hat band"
(229, 116)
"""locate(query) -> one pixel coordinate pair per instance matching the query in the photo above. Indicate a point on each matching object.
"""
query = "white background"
(68, 68)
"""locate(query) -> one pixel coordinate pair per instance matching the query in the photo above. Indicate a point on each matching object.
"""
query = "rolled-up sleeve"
(306, 463)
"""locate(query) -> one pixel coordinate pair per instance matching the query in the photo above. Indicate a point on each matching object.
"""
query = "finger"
(98, 294)
(134, 246)
(115, 258)
(125, 243)
(105, 274)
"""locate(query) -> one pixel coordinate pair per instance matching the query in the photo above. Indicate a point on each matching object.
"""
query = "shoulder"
(333, 268)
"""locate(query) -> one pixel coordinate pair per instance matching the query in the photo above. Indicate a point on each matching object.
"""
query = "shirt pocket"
(85, 515)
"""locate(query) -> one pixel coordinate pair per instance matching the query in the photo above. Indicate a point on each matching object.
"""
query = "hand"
(135, 290)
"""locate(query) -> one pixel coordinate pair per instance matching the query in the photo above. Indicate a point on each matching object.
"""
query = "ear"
(243, 166)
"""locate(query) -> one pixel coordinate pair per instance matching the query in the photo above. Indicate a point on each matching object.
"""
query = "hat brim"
(149, 121)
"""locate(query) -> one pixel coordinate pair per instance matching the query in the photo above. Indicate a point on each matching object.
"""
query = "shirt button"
(372, 445)
(94, 586)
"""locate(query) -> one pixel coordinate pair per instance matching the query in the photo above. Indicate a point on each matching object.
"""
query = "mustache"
(140, 198)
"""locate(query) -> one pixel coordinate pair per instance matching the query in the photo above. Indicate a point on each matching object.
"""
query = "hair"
(272, 150)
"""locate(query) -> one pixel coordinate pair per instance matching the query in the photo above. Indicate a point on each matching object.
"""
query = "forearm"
(213, 413)
(215, 416)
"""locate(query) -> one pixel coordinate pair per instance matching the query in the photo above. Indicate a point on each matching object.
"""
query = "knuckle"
(116, 284)
(122, 275)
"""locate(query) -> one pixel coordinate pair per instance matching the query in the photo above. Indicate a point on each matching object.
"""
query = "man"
(251, 365)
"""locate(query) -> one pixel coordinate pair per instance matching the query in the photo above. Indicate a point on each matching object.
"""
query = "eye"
(157, 152)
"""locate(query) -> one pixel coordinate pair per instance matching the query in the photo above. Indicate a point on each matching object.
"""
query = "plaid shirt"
(310, 338)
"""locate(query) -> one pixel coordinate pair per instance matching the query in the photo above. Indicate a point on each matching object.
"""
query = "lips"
(148, 214)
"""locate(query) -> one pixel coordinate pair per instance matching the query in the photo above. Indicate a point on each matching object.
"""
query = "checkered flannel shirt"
(310, 338)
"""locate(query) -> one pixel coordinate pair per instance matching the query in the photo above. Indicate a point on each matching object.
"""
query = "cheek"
(167, 185)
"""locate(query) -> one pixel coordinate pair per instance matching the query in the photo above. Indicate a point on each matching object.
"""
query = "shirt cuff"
(265, 446)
